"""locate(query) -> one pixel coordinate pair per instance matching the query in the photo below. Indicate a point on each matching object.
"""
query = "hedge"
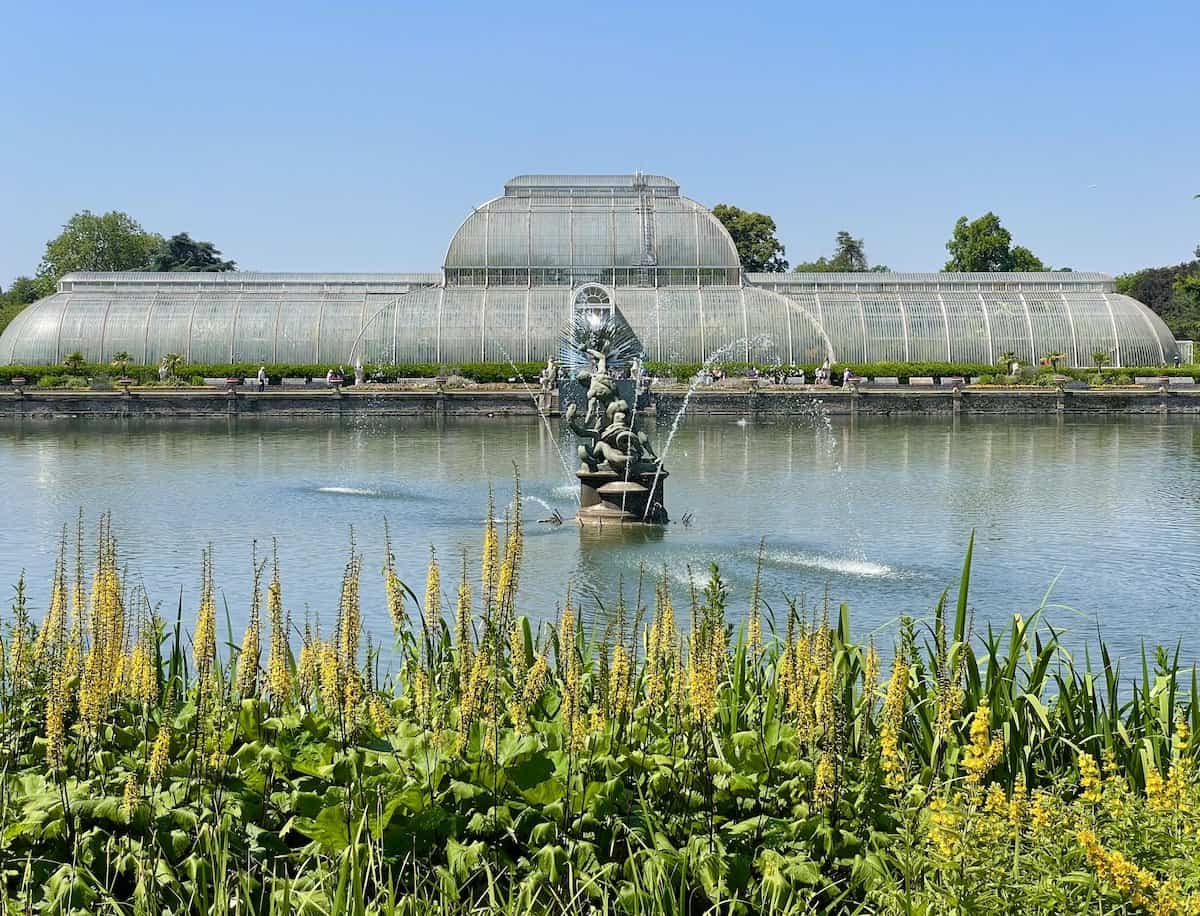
(476, 372)
(501, 372)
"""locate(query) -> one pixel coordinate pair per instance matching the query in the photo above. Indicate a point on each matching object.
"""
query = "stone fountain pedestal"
(609, 498)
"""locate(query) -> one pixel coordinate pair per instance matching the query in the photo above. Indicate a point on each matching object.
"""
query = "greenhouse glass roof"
(508, 286)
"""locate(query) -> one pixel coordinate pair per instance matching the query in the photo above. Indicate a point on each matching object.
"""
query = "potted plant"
(120, 362)
(1053, 359)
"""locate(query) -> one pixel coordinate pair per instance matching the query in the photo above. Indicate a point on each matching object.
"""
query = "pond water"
(872, 511)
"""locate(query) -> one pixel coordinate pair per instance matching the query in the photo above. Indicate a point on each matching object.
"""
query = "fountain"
(621, 478)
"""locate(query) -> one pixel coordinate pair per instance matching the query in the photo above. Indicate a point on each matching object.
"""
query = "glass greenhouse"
(517, 265)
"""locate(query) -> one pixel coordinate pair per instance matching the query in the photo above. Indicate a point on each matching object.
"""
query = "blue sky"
(311, 137)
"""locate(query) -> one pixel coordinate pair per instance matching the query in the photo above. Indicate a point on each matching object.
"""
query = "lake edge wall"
(492, 403)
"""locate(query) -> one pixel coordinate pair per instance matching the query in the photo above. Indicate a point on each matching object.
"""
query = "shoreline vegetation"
(729, 754)
(77, 373)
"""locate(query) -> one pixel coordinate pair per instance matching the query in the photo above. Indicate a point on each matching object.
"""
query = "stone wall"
(199, 403)
(514, 402)
(977, 401)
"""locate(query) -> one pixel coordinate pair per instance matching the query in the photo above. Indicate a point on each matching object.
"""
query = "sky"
(357, 137)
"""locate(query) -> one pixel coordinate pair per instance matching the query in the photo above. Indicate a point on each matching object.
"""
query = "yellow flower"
(945, 820)
(308, 668)
(1018, 804)
(433, 597)
(330, 678)
(491, 551)
(984, 750)
(130, 801)
(1089, 778)
(995, 802)
(392, 585)
(1130, 881)
(349, 632)
(142, 676)
(754, 639)
(870, 675)
(462, 623)
(890, 759)
(824, 783)
(620, 689)
(160, 754)
(251, 652)
(279, 674)
(381, 716)
(1039, 811)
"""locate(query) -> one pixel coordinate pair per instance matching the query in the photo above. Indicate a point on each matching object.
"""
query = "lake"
(873, 511)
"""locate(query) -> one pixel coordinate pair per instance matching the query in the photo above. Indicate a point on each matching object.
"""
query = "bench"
(794, 380)
(885, 381)
(1181, 381)
(952, 381)
(215, 382)
(1152, 381)
(921, 381)
(294, 382)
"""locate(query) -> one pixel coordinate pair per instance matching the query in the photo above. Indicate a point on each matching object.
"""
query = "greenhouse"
(521, 263)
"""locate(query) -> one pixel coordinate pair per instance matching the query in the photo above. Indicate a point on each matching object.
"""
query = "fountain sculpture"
(621, 478)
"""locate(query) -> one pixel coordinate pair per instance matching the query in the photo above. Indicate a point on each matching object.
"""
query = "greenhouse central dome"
(520, 263)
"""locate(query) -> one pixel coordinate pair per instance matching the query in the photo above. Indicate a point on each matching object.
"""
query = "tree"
(849, 257)
(183, 253)
(27, 290)
(983, 245)
(1172, 293)
(1100, 359)
(114, 241)
(754, 236)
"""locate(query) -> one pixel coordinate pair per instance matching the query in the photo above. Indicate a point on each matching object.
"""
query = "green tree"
(23, 291)
(26, 290)
(1172, 293)
(754, 236)
(113, 241)
(984, 245)
(183, 253)
(849, 257)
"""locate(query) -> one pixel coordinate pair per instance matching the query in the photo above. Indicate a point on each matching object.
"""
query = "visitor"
(329, 378)
(163, 371)
(824, 374)
(360, 377)
(262, 378)
(1177, 360)
(847, 377)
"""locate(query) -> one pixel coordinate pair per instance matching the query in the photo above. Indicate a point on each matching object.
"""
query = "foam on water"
(846, 566)
(349, 491)
(568, 491)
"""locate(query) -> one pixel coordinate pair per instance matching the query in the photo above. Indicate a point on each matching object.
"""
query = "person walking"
(262, 378)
